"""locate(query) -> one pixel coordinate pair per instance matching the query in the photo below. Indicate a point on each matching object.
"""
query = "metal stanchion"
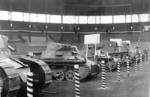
(141, 63)
(145, 59)
(103, 76)
(136, 63)
(1, 86)
(30, 84)
(128, 67)
(118, 72)
(77, 81)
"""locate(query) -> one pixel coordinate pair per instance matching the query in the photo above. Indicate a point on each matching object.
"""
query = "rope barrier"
(77, 81)
(30, 84)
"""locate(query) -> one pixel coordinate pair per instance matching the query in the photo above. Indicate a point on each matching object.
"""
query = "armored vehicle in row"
(13, 71)
(62, 57)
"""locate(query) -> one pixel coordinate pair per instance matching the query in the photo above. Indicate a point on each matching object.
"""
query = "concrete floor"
(136, 85)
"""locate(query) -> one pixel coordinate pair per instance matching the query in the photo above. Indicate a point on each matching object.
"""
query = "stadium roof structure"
(77, 7)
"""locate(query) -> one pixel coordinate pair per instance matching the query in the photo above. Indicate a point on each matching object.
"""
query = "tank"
(13, 71)
(62, 57)
(10, 80)
(115, 51)
(103, 52)
(110, 62)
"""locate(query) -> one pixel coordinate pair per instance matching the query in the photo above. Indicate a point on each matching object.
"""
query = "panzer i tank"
(62, 57)
(13, 71)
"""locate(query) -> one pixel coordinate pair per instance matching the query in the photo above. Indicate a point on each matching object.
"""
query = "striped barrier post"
(141, 63)
(103, 76)
(77, 81)
(144, 58)
(118, 72)
(1, 86)
(30, 84)
(128, 67)
(136, 63)
(147, 57)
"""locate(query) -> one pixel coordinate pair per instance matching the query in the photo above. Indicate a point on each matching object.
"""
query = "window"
(98, 20)
(76, 19)
(41, 18)
(4, 15)
(33, 17)
(106, 19)
(91, 19)
(119, 19)
(55, 18)
(26, 17)
(144, 17)
(82, 19)
(128, 19)
(135, 18)
(17, 16)
(69, 19)
(47, 18)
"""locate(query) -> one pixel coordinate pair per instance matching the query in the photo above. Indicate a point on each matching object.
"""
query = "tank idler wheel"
(59, 75)
(69, 75)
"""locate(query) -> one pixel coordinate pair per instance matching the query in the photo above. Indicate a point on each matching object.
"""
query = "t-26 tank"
(62, 57)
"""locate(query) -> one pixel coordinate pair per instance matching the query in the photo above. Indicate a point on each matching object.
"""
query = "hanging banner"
(92, 39)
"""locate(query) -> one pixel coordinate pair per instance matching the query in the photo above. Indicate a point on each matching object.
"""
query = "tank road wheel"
(69, 75)
(59, 75)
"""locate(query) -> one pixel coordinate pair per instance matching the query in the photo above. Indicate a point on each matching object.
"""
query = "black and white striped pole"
(103, 76)
(118, 71)
(77, 81)
(145, 57)
(1, 86)
(141, 63)
(30, 84)
(136, 63)
(128, 67)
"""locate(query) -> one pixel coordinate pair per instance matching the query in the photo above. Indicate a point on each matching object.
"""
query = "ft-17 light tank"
(62, 57)
(13, 71)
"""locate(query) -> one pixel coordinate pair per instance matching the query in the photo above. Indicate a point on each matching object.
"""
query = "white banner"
(92, 39)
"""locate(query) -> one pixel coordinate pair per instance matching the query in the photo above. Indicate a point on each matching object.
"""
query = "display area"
(74, 48)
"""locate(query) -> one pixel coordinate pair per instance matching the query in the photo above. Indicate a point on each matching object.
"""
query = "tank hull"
(14, 75)
(64, 69)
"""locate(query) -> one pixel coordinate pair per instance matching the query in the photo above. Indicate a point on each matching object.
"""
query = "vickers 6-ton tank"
(62, 57)
(13, 71)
